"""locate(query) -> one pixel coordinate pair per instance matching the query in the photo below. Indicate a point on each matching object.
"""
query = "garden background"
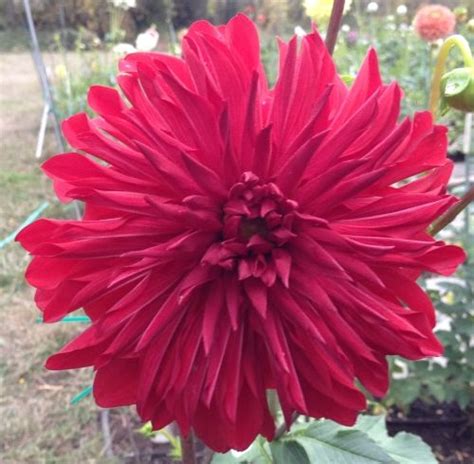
(81, 41)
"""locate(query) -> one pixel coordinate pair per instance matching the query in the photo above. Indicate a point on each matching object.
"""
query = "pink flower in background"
(433, 22)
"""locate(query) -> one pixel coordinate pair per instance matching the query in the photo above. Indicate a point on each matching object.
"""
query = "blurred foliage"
(93, 15)
(325, 441)
(450, 378)
(403, 57)
(175, 452)
(71, 81)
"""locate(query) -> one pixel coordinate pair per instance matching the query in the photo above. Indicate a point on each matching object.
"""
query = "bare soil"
(38, 424)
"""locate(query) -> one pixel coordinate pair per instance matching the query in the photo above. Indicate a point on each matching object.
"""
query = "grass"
(38, 424)
(17, 40)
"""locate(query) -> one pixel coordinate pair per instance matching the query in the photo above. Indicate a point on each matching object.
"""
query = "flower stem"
(282, 428)
(187, 449)
(334, 24)
(454, 41)
(452, 212)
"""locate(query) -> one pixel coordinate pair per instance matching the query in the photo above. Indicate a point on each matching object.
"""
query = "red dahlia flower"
(433, 22)
(238, 238)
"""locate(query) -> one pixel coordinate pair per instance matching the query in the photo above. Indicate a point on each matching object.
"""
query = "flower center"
(258, 212)
(249, 227)
(258, 223)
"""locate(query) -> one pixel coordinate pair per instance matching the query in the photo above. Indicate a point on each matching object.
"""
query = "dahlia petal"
(184, 215)
(189, 346)
(189, 242)
(104, 100)
(252, 124)
(168, 311)
(317, 118)
(216, 358)
(315, 77)
(310, 191)
(321, 405)
(122, 373)
(434, 181)
(295, 315)
(309, 251)
(257, 294)
(233, 301)
(343, 136)
(348, 189)
(80, 133)
(383, 150)
(213, 308)
(410, 293)
(292, 171)
(79, 352)
(203, 176)
(252, 418)
(151, 362)
(242, 37)
(171, 171)
(284, 90)
(70, 170)
(380, 127)
(443, 259)
(233, 363)
(200, 115)
(282, 261)
(367, 82)
(292, 391)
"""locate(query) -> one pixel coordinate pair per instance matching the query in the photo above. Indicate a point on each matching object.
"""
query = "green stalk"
(452, 212)
(463, 46)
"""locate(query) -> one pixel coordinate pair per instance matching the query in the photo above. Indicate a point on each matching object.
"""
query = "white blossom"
(124, 4)
(148, 40)
(402, 10)
(123, 49)
(372, 7)
(299, 31)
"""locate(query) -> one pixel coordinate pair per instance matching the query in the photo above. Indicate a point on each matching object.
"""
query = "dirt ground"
(38, 424)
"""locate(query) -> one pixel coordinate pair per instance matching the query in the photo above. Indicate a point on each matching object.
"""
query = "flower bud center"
(257, 223)
(250, 227)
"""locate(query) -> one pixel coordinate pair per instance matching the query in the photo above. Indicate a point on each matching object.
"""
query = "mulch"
(444, 426)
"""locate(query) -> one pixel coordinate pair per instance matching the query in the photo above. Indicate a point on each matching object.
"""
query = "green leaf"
(438, 390)
(257, 453)
(224, 458)
(405, 391)
(289, 452)
(404, 448)
(327, 443)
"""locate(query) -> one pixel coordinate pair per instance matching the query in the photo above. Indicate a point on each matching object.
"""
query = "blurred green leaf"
(404, 448)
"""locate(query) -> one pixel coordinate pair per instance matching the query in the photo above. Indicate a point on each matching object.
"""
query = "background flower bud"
(457, 90)
(470, 25)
